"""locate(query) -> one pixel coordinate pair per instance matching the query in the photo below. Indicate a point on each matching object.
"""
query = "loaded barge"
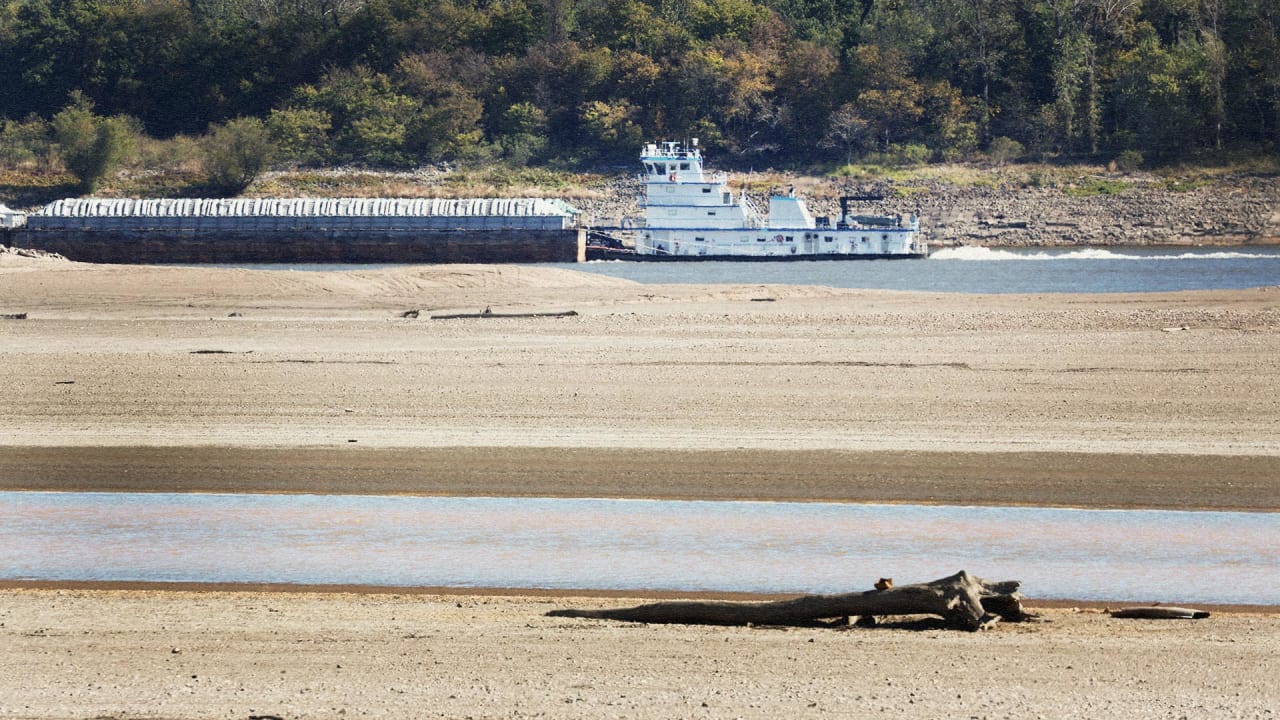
(691, 214)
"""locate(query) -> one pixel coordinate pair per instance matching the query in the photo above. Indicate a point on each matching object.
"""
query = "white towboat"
(693, 215)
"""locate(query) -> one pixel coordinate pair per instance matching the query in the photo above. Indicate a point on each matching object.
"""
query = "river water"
(631, 544)
(1128, 555)
(985, 270)
(962, 270)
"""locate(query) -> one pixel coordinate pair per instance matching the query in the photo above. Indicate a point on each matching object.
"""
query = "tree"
(55, 47)
(1156, 96)
(370, 119)
(805, 91)
(236, 152)
(847, 129)
(609, 126)
(446, 122)
(92, 147)
(980, 35)
(1215, 53)
(300, 135)
(891, 100)
(1264, 53)
(951, 120)
(522, 133)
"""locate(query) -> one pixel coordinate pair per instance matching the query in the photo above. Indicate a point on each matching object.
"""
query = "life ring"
(777, 238)
(672, 177)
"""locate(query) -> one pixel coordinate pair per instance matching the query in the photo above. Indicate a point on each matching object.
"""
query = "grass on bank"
(172, 168)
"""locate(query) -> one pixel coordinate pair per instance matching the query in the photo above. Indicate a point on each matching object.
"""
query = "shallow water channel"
(1134, 555)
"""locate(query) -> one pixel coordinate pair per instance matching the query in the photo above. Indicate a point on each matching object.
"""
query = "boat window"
(760, 239)
(728, 199)
(698, 239)
(828, 238)
(711, 212)
(684, 166)
(790, 239)
(884, 237)
(864, 238)
(706, 190)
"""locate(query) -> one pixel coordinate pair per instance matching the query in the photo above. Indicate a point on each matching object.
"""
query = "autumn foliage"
(813, 82)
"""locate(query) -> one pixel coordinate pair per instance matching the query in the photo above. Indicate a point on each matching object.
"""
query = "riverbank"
(1029, 207)
(76, 653)
(1014, 205)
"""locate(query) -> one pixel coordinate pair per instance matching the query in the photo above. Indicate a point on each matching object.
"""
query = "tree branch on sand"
(963, 601)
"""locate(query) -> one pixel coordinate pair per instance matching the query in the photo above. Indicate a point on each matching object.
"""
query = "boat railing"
(750, 213)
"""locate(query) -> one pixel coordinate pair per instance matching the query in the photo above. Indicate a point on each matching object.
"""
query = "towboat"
(691, 214)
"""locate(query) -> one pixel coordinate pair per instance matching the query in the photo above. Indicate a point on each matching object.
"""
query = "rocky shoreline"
(1132, 211)
(1245, 212)
(991, 207)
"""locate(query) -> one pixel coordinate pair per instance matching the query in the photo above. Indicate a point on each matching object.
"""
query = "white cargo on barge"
(691, 214)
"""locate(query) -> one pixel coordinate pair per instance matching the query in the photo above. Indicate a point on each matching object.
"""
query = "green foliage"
(900, 156)
(609, 126)
(1129, 161)
(300, 135)
(522, 133)
(1098, 187)
(1003, 149)
(737, 19)
(236, 152)
(402, 82)
(91, 147)
(24, 143)
(370, 119)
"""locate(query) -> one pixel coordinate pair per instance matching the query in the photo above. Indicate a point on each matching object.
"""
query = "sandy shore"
(125, 654)
(227, 380)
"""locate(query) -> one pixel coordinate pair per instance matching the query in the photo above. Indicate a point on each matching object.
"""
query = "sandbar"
(227, 380)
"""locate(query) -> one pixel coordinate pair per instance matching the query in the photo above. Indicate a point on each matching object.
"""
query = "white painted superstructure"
(690, 213)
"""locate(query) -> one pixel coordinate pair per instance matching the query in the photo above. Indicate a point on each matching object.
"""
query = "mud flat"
(143, 378)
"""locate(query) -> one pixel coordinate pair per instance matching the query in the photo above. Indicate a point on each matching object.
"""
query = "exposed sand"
(200, 379)
(125, 654)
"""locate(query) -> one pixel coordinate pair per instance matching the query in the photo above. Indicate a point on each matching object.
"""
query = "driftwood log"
(1160, 612)
(962, 600)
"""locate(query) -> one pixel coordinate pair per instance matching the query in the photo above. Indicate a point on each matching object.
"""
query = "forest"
(574, 83)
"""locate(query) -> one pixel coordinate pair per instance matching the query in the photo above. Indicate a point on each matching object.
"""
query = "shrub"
(300, 135)
(23, 143)
(900, 156)
(92, 147)
(1129, 161)
(1003, 149)
(236, 152)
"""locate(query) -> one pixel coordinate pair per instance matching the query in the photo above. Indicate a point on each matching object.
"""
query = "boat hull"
(631, 256)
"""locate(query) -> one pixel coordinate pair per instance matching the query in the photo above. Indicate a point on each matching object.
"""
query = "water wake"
(989, 254)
